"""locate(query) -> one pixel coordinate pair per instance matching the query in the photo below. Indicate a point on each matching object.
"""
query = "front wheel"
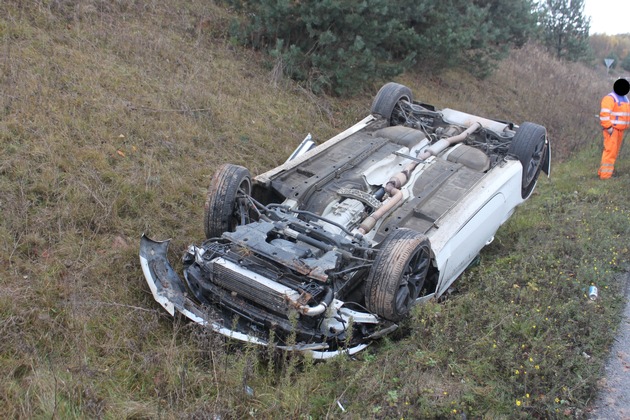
(529, 145)
(226, 204)
(398, 274)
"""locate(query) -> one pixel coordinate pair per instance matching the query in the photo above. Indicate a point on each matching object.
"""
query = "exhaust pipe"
(395, 182)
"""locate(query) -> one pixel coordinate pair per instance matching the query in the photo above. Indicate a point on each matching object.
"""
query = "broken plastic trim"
(169, 291)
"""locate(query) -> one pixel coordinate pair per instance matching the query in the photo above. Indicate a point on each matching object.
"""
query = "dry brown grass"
(113, 116)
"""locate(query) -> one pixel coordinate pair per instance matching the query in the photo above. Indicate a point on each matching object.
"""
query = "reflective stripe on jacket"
(615, 112)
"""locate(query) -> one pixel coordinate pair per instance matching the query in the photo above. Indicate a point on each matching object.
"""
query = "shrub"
(333, 45)
(341, 46)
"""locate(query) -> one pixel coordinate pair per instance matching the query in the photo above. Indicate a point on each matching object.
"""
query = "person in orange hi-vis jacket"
(614, 117)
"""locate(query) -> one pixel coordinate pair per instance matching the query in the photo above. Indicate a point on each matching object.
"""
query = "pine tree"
(341, 46)
(333, 45)
(565, 29)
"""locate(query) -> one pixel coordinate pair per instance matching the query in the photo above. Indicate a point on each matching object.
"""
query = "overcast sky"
(608, 17)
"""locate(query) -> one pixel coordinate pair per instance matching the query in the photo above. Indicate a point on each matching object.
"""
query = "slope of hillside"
(113, 117)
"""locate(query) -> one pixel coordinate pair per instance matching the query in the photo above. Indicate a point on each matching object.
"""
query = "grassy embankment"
(112, 120)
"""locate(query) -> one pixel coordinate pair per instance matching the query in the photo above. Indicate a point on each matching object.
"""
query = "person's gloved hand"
(610, 130)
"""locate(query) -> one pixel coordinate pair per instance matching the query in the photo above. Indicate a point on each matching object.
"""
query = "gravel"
(613, 401)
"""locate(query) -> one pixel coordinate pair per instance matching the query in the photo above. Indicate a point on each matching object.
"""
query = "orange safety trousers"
(612, 144)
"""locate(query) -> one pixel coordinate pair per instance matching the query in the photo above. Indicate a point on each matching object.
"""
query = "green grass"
(113, 117)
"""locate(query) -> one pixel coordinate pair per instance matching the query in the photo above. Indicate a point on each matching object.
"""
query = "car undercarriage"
(330, 250)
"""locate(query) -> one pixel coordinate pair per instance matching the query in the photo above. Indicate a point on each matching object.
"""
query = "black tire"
(529, 145)
(398, 274)
(225, 206)
(387, 99)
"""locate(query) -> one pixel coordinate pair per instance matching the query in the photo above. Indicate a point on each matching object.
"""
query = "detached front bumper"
(170, 291)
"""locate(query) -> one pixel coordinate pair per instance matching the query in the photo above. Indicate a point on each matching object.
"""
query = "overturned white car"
(331, 249)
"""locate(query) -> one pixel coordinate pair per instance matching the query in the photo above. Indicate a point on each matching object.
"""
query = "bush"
(342, 46)
(333, 45)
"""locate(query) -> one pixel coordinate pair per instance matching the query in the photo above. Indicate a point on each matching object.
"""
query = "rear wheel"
(387, 101)
(398, 274)
(226, 204)
(530, 147)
